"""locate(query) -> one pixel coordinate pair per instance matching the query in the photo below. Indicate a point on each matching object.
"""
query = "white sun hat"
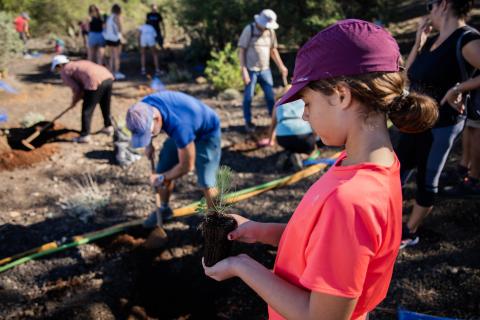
(267, 19)
(60, 59)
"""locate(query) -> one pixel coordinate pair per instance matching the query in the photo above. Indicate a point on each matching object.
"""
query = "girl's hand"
(424, 29)
(247, 230)
(225, 269)
(454, 99)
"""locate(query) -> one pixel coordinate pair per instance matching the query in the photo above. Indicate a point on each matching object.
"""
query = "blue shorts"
(95, 39)
(208, 153)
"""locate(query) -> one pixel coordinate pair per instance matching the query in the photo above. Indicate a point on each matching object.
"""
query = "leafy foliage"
(224, 186)
(10, 43)
(223, 69)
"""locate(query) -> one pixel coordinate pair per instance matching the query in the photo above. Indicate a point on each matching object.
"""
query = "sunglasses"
(430, 4)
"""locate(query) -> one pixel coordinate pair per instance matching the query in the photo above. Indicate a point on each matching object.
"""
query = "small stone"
(14, 214)
(200, 80)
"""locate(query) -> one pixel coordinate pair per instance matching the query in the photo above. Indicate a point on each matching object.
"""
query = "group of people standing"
(102, 31)
(337, 252)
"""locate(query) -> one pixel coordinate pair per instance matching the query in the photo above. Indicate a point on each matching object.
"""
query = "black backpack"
(472, 98)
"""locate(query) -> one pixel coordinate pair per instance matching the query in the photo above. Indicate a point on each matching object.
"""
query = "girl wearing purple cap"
(434, 69)
(336, 254)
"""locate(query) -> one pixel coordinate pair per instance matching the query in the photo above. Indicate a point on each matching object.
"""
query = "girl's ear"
(343, 96)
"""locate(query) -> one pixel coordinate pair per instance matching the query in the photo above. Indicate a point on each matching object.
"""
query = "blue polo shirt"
(185, 119)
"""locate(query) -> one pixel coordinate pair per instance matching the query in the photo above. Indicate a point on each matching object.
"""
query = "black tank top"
(96, 25)
(434, 72)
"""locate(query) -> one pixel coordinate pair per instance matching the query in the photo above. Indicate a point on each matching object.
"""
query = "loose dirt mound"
(13, 154)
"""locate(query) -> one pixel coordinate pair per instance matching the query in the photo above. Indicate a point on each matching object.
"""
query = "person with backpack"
(433, 69)
(336, 254)
(257, 43)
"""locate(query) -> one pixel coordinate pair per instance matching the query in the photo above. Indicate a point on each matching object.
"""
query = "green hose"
(190, 209)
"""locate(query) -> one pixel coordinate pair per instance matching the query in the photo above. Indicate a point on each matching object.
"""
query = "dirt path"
(115, 278)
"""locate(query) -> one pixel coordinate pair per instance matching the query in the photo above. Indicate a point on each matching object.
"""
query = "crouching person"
(194, 142)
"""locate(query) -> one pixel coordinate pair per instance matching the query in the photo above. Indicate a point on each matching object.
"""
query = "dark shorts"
(304, 143)
(112, 43)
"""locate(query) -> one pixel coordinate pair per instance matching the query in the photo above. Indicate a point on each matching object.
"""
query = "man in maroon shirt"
(90, 82)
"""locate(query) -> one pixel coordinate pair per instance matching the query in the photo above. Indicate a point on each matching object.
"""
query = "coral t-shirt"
(20, 23)
(345, 234)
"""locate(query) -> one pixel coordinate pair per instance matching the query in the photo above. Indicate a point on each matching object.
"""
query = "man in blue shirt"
(194, 142)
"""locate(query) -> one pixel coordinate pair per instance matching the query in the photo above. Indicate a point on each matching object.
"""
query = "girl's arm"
(249, 231)
(288, 300)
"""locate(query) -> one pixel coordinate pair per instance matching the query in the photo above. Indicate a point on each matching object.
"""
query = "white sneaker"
(107, 130)
(82, 139)
(119, 76)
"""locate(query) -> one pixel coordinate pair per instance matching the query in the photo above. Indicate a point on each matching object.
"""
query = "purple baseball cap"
(139, 122)
(347, 48)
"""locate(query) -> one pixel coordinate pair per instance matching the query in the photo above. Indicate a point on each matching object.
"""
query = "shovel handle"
(34, 135)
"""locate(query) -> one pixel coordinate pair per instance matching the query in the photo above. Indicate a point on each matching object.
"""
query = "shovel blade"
(157, 239)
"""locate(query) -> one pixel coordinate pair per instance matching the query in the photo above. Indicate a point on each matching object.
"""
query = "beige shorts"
(473, 123)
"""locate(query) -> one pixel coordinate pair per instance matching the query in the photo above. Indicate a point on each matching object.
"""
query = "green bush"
(223, 70)
(10, 43)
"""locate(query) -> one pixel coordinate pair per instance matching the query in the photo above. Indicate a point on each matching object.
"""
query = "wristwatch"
(456, 88)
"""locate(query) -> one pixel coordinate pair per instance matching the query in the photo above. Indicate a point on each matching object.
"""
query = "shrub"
(10, 43)
(31, 118)
(223, 70)
(84, 199)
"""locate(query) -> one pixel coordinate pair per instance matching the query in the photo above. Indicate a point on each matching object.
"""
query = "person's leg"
(475, 153)
(442, 142)
(100, 55)
(265, 80)
(466, 147)
(155, 59)
(111, 62)
(207, 162)
(248, 97)
(168, 158)
(105, 102)
(90, 53)
(117, 58)
(90, 100)
(142, 59)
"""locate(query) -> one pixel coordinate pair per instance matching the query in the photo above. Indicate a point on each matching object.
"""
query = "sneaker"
(143, 72)
(468, 189)
(119, 76)
(453, 177)
(158, 72)
(151, 221)
(296, 161)
(249, 127)
(408, 238)
(82, 139)
(107, 130)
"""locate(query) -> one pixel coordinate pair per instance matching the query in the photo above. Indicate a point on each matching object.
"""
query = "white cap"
(267, 19)
(60, 59)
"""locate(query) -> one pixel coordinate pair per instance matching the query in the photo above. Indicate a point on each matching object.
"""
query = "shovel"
(158, 237)
(28, 141)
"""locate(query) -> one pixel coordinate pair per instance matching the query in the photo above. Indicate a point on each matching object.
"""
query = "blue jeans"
(208, 152)
(265, 80)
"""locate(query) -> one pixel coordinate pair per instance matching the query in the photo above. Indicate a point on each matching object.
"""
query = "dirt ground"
(116, 279)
